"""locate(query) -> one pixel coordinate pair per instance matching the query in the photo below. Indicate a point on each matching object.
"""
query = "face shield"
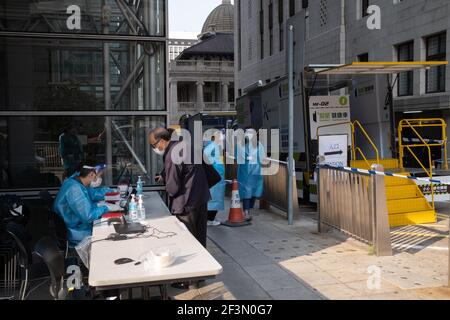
(98, 180)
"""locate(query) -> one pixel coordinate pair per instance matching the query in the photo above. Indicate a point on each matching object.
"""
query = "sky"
(186, 17)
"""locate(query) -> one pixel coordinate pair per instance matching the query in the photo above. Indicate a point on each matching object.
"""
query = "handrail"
(430, 174)
(356, 122)
(363, 156)
(423, 123)
(407, 123)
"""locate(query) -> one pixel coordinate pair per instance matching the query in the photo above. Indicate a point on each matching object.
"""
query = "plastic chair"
(10, 270)
(31, 271)
(57, 225)
(21, 240)
(60, 232)
(47, 249)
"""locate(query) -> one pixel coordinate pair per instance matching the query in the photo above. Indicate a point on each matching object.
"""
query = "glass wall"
(123, 17)
(39, 152)
(61, 75)
(66, 97)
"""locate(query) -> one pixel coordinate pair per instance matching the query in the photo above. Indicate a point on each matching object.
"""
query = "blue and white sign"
(334, 149)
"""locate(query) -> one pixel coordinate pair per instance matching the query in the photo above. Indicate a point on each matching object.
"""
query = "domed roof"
(221, 19)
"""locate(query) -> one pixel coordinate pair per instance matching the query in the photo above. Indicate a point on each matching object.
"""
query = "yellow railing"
(356, 150)
(357, 124)
(362, 155)
(412, 124)
(425, 123)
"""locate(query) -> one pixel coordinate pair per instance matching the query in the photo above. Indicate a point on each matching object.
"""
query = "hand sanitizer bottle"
(139, 188)
(132, 209)
(141, 209)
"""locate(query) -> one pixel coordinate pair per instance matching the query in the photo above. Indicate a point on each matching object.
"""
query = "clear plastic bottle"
(132, 209)
(139, 186)
(141, 209)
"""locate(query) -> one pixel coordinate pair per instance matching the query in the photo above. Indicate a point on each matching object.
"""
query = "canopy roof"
(368, 68)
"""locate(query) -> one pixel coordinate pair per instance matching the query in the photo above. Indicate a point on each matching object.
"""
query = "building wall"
(195, 74)
(177, 46)
(401, 22)
(248, 51)
(324, 33)
(337, 33)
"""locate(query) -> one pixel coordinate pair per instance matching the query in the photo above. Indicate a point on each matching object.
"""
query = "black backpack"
(212, 175)
(10, 210)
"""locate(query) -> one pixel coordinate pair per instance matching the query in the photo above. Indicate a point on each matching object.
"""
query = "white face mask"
(159, 152)
(96, 183)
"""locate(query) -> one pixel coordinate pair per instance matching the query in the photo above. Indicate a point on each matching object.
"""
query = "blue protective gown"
(77, 205)
(214, 156)
(251, 184)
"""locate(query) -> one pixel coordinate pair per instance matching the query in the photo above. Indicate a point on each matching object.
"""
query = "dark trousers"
(196, 222)
(249, 203)
(212, 215)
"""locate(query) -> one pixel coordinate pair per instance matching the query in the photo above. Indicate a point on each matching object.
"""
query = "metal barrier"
(275, 187)
(413, 125)
(355, 203)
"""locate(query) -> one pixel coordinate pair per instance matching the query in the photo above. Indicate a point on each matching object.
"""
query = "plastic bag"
(84, 250)
(160, 258)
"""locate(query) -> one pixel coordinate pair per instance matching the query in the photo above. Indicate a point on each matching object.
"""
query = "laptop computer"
(130, 228)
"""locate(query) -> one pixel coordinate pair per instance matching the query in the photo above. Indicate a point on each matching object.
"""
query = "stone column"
(225, 98)
(200, 102)
(174, 96)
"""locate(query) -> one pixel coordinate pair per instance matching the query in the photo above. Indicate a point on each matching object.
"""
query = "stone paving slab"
(338, 291)
(298, 293)
(271, 260)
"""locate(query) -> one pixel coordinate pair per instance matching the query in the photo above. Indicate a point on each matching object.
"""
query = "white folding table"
(193, 261)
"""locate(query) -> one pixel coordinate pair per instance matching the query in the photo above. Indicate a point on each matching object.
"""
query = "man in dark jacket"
(186, 183)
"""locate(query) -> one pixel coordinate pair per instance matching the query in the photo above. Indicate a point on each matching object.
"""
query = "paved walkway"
(271, 260)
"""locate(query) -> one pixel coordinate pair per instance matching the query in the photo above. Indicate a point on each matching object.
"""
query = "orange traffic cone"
(236, 217)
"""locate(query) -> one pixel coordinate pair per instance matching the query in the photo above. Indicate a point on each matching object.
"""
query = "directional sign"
(334, 149)
(333, 153)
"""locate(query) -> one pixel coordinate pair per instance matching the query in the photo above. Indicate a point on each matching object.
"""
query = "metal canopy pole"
(106, 18)
(291, 125)
(390, 102)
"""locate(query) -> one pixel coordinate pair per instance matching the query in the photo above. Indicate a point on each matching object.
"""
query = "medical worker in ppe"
(250, 179)
(77, 201)
(213, 154)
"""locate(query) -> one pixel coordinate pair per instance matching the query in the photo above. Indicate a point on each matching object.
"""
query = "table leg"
(163, 289)
(145, 293)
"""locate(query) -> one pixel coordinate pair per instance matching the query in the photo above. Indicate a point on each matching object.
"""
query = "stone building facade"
(202, 76)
